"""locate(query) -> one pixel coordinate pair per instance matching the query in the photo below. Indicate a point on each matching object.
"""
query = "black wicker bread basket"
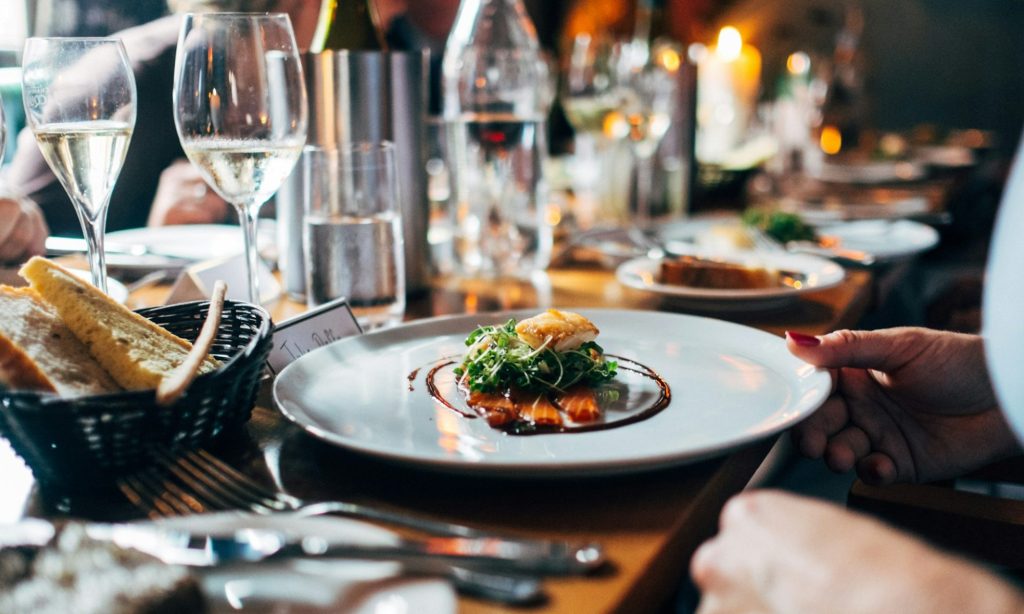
(69, 442)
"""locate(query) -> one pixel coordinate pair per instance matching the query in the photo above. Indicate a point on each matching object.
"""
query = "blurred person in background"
(157, 184)
(23, 230)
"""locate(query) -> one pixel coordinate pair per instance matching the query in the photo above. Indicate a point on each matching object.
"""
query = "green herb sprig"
(497, 359)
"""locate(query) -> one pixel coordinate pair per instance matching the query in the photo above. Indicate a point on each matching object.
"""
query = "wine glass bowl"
(80, 103)
(240, 110)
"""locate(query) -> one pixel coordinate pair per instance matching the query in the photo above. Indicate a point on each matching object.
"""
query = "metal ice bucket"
(364, 96)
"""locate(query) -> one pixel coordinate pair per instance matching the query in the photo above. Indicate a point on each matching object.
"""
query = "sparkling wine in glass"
(80, 101)
(240, 110)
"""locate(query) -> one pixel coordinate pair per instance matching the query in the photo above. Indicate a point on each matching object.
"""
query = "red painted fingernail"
(807, 341)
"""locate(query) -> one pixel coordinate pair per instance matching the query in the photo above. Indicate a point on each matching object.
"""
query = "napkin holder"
(196, 282)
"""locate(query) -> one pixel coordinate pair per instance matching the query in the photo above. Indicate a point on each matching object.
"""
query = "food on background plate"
(714, 274)
(135, 353)
(541, 371)
(72, 572)
(779, 225)
(39, 352)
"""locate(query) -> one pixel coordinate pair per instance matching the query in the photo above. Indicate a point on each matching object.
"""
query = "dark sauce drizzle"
(521, 428)
(412, 377)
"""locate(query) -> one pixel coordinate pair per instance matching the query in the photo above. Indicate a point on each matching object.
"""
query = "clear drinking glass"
(352, 233)
(240, 109)
(80, 101)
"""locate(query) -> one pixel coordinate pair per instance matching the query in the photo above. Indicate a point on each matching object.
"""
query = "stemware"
(240, 110)
(80, 101)
(644, 116)
(591, 97)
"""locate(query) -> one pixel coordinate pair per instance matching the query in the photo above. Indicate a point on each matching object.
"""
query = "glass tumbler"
(352, 231)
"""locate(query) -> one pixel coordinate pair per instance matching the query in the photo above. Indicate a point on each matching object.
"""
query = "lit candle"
(728, 81)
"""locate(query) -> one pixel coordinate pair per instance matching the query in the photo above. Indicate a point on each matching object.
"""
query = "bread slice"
(133, 350)
(38, 352)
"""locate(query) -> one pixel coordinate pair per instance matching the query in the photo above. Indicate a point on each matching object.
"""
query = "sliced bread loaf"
(38, 352)
(133, 350)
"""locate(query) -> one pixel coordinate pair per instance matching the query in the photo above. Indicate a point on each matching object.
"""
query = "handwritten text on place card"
(315, 328)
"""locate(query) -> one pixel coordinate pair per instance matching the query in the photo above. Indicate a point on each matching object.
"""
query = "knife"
(253, 546)
(256, 545)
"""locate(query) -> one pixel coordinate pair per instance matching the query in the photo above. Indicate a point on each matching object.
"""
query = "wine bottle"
(348, 24)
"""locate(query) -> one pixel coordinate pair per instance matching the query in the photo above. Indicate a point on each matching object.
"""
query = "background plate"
(642, 274)
(730, 385)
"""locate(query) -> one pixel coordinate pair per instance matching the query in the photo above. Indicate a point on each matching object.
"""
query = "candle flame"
(730, 44)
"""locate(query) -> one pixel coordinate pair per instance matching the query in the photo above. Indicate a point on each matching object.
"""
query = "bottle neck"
(348, 24)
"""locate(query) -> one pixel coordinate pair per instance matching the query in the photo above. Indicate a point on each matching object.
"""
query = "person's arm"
(910, 404)
(777, 552)
(23, 231)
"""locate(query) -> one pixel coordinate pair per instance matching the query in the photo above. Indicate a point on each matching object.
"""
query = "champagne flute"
(240, 110)
(80, 100)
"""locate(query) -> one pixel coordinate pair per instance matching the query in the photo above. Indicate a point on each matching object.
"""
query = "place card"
(306, 332)
(195, 283)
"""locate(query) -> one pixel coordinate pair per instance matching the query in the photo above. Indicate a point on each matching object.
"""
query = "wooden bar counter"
(649, 523)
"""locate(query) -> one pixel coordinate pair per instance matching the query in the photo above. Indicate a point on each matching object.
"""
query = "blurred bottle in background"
(495, 100)
(348, 24)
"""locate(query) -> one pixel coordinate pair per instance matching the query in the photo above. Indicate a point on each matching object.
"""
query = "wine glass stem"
(93, 229)
(249, 217)
(644, 186)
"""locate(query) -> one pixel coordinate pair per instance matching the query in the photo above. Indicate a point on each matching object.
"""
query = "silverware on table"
(256, 546)
(197, 481)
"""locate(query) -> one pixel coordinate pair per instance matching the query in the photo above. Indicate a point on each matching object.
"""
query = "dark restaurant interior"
(659, 306)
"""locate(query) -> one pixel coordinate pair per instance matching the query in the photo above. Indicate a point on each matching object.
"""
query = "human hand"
(776, 552)
(910, 404)
(182, 197)
(23, 230)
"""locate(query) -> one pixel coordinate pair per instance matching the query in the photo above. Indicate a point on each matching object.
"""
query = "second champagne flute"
(240, 110)
(80, 98)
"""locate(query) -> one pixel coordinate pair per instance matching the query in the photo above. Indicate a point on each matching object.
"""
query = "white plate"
(196, 242)
(300, 585)
(831, 211)
(870, 172)
(730, 385)
(643, 273)
(886, 240)
(115, 289)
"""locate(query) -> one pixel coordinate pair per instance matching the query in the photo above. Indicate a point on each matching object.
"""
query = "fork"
(205, 482)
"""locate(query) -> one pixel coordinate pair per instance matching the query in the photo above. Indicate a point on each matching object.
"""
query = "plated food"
(729, 384)
(534, 372)
(62, 335)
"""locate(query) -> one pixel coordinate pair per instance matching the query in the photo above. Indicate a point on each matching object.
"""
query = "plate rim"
(563, 469)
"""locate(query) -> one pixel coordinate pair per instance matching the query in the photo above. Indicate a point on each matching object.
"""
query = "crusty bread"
(133, 350)
(38, 352)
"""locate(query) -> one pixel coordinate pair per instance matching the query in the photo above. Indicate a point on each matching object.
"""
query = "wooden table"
(649, 523)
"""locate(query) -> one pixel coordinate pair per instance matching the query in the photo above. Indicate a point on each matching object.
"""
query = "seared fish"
(561, 330)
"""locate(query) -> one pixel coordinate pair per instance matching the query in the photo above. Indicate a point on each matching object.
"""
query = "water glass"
(352, 231)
